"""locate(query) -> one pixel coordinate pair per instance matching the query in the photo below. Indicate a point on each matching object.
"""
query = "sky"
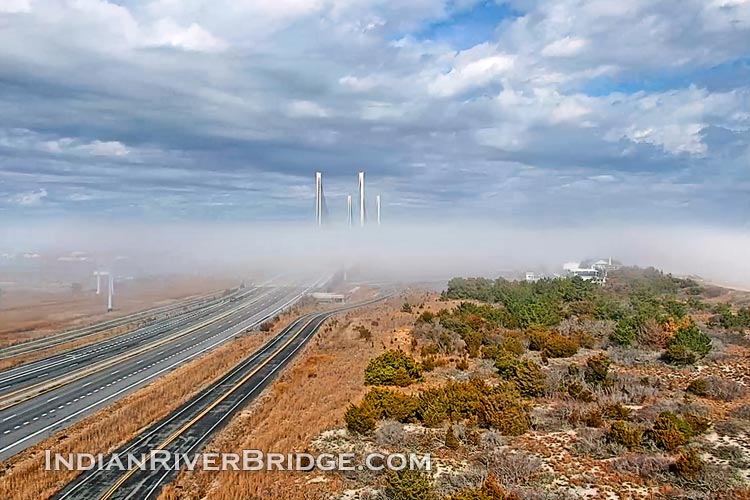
(526, 112)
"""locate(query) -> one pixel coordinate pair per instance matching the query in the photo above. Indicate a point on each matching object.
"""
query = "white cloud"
(306, 109)
(15, 6)
(193, 38)
(29, 198)
(565, 47)
(472, 74)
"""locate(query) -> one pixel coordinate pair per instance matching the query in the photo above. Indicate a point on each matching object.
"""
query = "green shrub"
(359, 419)
(409, 485)
(669, 431)
(393, 367)
(688, 340)
(505, 411)
(491, 351)
(426, 317)
(406, 307)
(451, 441)
(679, 355)
(616, 411)
(597, 369)
(537, 338)
(626, 331)
(529, 378)
(579, 392)
(558, 346)
(621, 433)
(689, 465)
(433, 407)
(512, 344)
(489, 491)
(593, 419)
(699, 387)
(385, 403)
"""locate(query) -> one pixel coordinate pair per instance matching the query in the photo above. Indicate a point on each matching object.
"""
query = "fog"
(427, 251)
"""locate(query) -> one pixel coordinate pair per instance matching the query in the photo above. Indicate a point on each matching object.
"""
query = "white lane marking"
(8, 418)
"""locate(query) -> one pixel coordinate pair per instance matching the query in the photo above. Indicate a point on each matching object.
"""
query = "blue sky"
(548, 113)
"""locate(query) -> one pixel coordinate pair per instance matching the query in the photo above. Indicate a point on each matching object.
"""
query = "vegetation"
(622, 433)
(689, 464)
(489, 491)
(393, 367)
(688, 345)
(409, 485)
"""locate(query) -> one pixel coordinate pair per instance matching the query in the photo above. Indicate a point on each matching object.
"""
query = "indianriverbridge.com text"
(248, 460)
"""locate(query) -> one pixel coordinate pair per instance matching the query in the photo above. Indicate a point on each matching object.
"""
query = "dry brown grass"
(310, 397)
(24, 477)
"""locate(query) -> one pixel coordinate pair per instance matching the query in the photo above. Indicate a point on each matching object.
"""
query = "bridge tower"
(318, 199)
(362, 199)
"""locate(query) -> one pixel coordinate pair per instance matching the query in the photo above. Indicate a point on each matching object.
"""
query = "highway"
(67, 391)
(193, 424)
(51, 341)
(47, 369)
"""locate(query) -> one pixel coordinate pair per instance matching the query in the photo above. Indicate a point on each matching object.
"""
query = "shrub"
(505, 412)
(364, 332)
(621, 433)
(717, 388)
(489, 491)
(580, 393)
(359, 419)
(462, 364)
(409, 485)
(699, 387)
(525, 373)
(616, 411)
(429, 363)
(558, 346)
(384, 403)
(537, 338)
(625, 332)
(426, 317)
(433, 407)
(688, 465)
(597, 369)
(451, 441)
(393, 367)
(689, 340)
(406, 307)
(669, 431)
(679, 355)
(512, 344)
(593, 419)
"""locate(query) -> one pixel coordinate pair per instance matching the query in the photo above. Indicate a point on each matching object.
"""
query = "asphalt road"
(153, 314)
(49, 368)
(189, 427)
(42, 414)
